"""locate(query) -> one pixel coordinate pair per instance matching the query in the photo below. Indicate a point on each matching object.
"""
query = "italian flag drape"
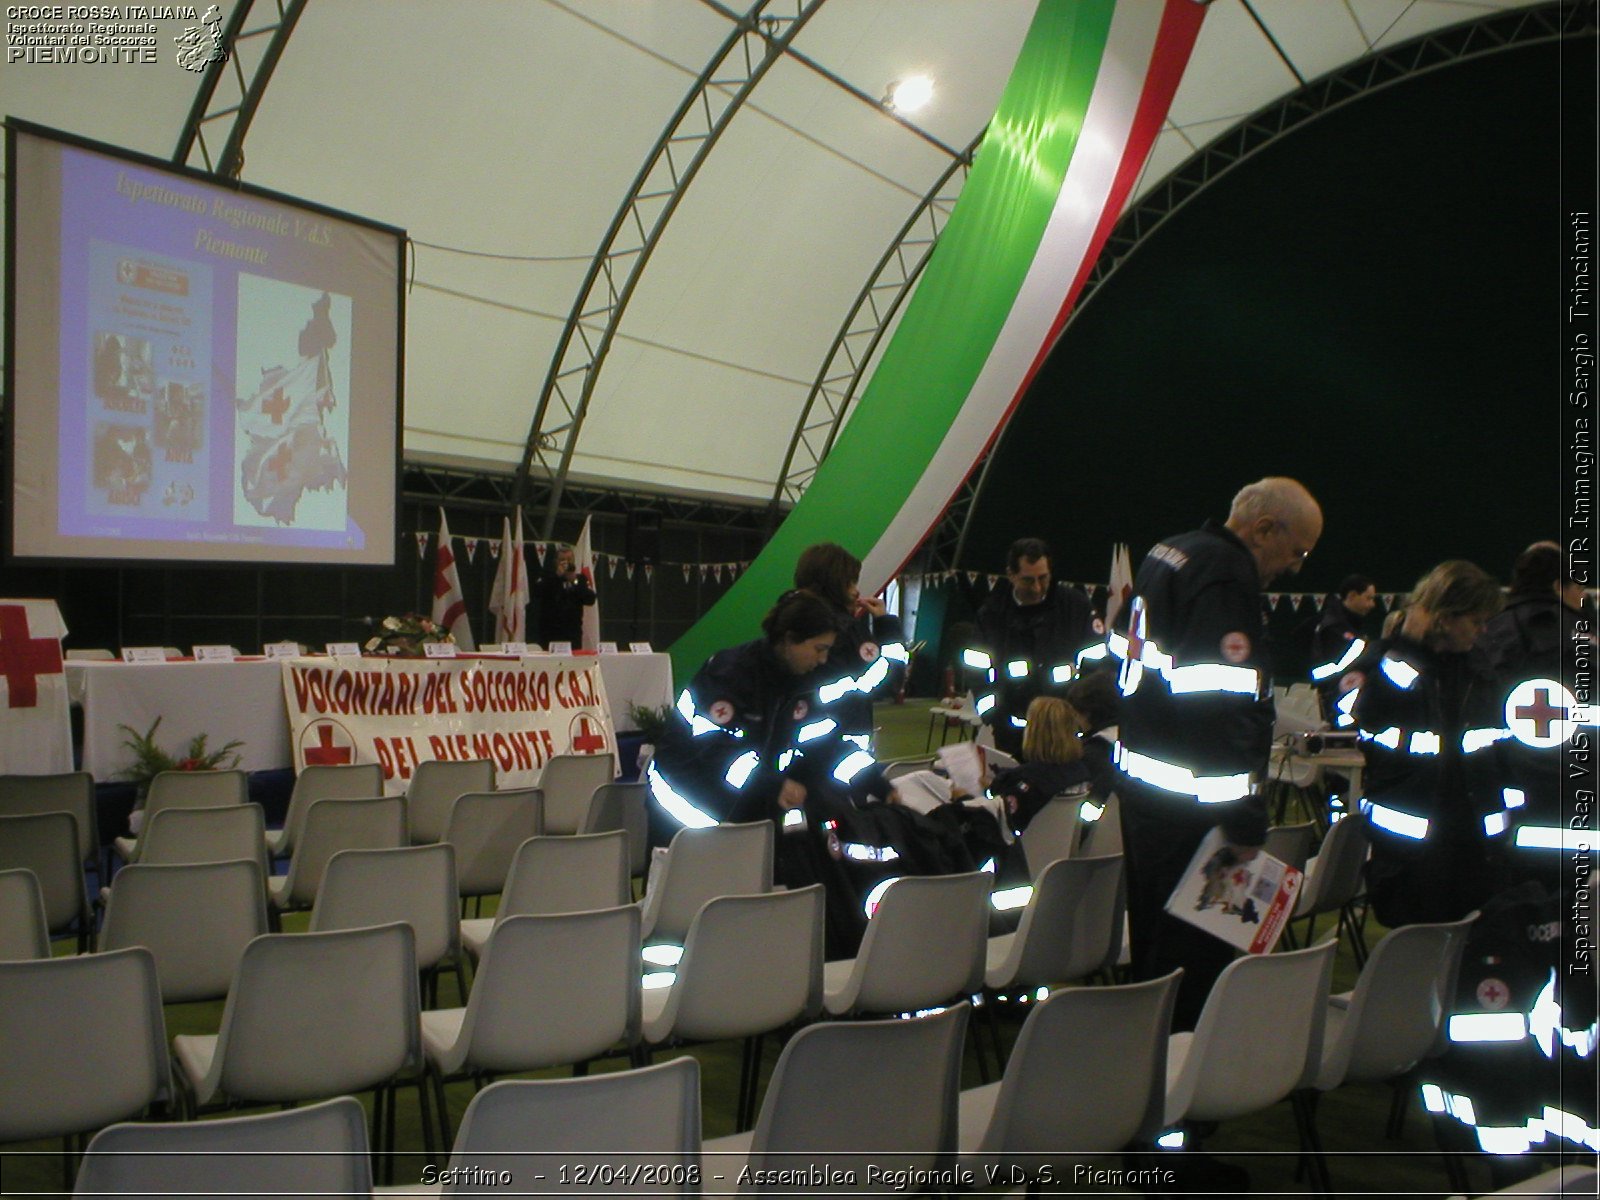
(1085, 101)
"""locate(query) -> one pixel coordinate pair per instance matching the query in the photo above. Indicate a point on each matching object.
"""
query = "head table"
(244, 700)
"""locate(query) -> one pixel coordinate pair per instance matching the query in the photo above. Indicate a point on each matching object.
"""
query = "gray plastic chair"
(72, 792)
(319, 1150)
(314, 1015)
(332, 826)
(1333, 882)
(619, 1123)
(435, 786)
(414, 884)
(195, 918)
(1087, 1076)
(558, 875)
(624, 806)
(569, 782)
(486, 828)
(1071, 927)
(1391, 1021)
(351, 781)
(751, 965)
(227, 833)
(1053, 833)
(47, 844)
(923, 947)
(700, 864)
(1103, 835)
(186, 789)
(85, 1043)
(847, 1095)
(1258, 1039)
(23, 932)
(550, 990)
(1291, 843)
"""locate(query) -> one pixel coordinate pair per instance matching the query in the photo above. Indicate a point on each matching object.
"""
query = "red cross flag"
(449, 605)
(509, 599)
(35, 733)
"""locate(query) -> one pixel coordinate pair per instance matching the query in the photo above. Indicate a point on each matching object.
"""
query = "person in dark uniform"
(1028, 640)
(1339, 638)
(1424, 717)
(1526, 644)
(869, 656)
(1197, 715)
(563, 595)
(748, 741)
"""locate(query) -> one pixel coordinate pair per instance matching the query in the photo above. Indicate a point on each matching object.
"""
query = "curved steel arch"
(230, 117)
(755, 43)
(1493, 34)
(834, 389)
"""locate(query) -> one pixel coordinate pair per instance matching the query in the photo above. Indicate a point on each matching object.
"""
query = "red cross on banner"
(24, 658)
(327, 752)
(1542, 713)
(587, 737)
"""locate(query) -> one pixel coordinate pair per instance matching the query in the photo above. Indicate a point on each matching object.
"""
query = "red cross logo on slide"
(275, 406)
(587, 736)
(333, 745)
(23, 659)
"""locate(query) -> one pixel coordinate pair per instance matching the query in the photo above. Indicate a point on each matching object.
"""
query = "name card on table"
(517, 649)
(560, 647)
(215, 654)
(640, 648)
(344, 649)
(282, 650)
(608, 647)
(438, 649)
(143, 654)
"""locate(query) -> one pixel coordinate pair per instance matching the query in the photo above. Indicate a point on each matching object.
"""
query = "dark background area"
(1370, 304)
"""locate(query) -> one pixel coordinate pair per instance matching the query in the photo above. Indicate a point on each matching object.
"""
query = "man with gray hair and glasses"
(1197, 714)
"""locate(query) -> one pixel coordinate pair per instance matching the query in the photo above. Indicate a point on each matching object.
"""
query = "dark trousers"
(1160, 834)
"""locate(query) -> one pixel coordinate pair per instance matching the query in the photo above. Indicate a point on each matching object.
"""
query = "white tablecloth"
(244, 700)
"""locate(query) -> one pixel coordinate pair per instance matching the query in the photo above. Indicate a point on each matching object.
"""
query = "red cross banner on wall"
(35, 732)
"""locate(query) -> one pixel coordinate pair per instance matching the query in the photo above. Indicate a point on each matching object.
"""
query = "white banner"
(398, 712)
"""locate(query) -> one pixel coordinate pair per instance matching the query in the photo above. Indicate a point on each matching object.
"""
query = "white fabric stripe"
(1085, 192)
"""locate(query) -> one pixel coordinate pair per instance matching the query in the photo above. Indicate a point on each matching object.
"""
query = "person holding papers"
(1424, 716)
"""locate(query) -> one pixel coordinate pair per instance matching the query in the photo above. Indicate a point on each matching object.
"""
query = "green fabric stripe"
(949, 327)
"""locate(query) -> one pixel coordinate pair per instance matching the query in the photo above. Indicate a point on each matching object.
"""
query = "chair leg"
(389, 1140)
(375, 1135)
(993, 1021)
(1399, 1106)
(749, 1071)
(445, 1136)
(425, 1116)
(1305, 1106)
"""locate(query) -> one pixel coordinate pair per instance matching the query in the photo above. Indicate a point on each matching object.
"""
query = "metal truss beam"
(231, 88)
(946, 545)
(754, 44)
(457, 488)
(853, 347)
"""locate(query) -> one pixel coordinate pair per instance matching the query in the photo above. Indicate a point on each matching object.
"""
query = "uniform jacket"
(1043, 640)
(1196, 678)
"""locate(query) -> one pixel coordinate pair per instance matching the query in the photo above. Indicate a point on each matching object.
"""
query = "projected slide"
(201, 372)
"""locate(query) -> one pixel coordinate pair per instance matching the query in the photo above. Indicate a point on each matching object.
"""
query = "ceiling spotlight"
(909, 94)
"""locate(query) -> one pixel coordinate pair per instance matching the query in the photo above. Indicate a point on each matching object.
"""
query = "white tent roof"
(504, 136)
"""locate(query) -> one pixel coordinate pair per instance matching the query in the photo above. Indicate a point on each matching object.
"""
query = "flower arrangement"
(149, 759)
(652, 722)
(404, 637)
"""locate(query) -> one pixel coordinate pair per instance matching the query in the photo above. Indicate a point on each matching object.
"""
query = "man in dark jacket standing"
(1028, 640)
(563, 595)
(1197, 714)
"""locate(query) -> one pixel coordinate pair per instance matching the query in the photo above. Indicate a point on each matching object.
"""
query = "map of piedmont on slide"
(148, 337)
(292, 413)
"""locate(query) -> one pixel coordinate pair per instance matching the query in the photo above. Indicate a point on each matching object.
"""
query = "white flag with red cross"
(509, 599)
(449, 605)
(35, 731)
(583, 559)
(1121, 582)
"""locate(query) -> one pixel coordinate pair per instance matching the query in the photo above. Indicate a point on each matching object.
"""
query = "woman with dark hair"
(749, 742)
(869, 656)
(1425, 714)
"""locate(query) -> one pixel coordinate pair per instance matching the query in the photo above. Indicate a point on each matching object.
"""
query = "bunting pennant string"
(422, 544)
(472, 548)
(629, 569)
